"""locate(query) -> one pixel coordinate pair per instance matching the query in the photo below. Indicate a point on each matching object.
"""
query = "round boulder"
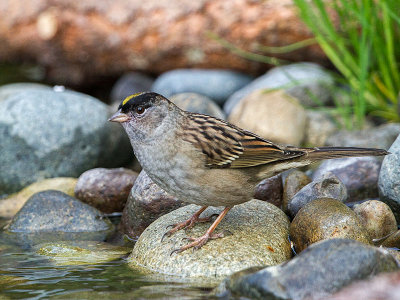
(258, 236)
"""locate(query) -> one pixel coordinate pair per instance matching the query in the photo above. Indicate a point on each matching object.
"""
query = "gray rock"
(51, 134)
(51, 210)
(359, 175)
(146, 203)
(328, 185)
(294, 182)
(301, 80)
(215, 84)
(319, 127)
(317, 272)
(389, 178)
(130, 83)
(379, 137)
(326, 218)
(105, 189)
(13, 88)
(198, 104)
(259, 236)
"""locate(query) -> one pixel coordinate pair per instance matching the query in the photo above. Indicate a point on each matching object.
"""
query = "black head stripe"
(135, 100)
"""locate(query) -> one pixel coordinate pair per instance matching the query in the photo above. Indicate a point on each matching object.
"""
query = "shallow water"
(27, 275)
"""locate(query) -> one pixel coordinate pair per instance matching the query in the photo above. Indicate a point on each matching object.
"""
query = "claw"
(167, 234)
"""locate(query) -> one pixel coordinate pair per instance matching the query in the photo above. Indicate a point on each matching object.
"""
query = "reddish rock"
(105, 189)
(270, 190)
(81, 40)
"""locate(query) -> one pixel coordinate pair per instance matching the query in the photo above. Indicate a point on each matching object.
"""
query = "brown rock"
(274, 115)
(79, 40)
(324, 219)
(392, 241)
(377, 218)
(105, 189)
(294, 182)
(146, 203)
(270, 190)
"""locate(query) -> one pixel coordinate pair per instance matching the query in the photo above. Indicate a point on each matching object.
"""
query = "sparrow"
(207, 161)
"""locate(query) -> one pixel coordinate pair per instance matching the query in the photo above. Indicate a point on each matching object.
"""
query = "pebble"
(215, 84)
(325, 218)
(105, 189)
(273, 115)
(270, 190)
(130, 83)
(294, 182)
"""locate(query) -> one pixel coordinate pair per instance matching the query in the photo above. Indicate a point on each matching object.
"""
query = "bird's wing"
(228, 146)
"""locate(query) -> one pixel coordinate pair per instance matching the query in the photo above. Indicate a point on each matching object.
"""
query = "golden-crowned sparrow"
(207, 161)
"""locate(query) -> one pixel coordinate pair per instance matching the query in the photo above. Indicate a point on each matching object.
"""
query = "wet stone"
(270, 190)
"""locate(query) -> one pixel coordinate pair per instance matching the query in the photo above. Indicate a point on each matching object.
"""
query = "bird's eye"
(140, 110)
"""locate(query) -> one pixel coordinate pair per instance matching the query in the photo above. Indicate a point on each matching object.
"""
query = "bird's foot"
(189, 223)
(199, 242)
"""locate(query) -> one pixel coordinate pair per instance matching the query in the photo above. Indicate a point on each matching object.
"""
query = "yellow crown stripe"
(126, 100)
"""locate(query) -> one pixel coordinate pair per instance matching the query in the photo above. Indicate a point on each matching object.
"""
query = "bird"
(207, 161)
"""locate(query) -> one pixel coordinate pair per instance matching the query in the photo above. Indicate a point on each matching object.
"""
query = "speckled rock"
(66, 253)
(319, 127)
(359, 175)
(323, 219)
(13, 88)
(274, 115)
(392, 241)
(376, 217)
(146, 202)
(270, 190)
(11, 205)
(51, 211)
(317, 272)
(389, 179)
(379, 137)
(130, 83)
(294, 182)
(326, 186)
(259, 236)
(216, 84)
(105, 189)
(198, 104)
(48, 134)
(304, 81)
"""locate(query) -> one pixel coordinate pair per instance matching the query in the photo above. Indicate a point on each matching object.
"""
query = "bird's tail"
(338, 152)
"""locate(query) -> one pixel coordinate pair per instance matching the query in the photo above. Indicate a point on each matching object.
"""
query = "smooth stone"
(130, 83)
(381, 287)
(294, 182)
(389, 178)
(359, 174)
(323, 219)
(391, 241)
(323, 269)
(378, 137)
(46, 134)
(376, 217)
(13, 88)
(326, 186)
(270, 190)
(258, 237)
(146, 203)
(64, 253)
(197, 103)
(105, 189)
(273, 115)
(300, 80)
(50, 211)
(319, 127)
(11, 205)
(215, 84)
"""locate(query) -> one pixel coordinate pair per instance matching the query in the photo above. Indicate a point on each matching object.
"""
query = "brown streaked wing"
(226, 145)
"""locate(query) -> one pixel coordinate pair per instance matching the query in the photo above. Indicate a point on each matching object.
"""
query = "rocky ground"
(64, 170)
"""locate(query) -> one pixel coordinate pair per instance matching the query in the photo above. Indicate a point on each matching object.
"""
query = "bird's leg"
(188, 223)
(200, 241)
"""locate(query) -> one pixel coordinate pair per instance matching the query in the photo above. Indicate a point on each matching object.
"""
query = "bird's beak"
(119, 117)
